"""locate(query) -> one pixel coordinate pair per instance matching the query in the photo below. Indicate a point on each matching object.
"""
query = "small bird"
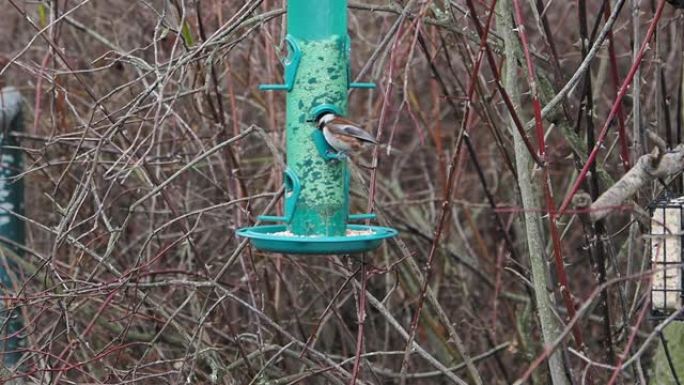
(342, 135)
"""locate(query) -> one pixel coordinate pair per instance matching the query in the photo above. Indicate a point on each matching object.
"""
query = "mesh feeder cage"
(667, 236)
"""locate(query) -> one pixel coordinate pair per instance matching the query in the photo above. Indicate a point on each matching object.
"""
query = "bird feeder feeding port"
(667, 236)
(316, 218)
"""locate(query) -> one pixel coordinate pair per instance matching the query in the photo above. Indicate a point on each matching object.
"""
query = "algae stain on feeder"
(317, 78)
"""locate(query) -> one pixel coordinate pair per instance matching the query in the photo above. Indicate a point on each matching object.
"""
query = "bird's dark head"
(324, 119)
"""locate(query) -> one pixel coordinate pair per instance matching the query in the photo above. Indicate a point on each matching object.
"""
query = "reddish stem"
(630, 342)
(548, 195)
(622, 133)
(452, 176)
(37, 108)
(362, 321)
(536, 105)
(484, 46)
(613, 110)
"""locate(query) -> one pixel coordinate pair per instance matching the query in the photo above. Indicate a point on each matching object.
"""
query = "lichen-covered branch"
(529, 199)
(647, 168)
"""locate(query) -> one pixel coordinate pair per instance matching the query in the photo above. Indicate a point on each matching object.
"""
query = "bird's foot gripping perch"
(331, 155)
(324, 149)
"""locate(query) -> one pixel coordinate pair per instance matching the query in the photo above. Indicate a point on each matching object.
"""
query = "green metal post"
(11, 227)
(317, 32)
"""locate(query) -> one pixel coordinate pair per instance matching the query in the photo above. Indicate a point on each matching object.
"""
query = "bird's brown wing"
(353, 131)
(351, 141)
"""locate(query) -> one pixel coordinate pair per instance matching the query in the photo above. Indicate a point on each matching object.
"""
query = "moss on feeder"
(321, 78)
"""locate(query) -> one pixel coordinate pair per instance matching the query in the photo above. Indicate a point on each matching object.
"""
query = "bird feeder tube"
(11, 227)
(317, 77)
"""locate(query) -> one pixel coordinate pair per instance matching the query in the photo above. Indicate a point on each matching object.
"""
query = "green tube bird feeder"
(317, 77)
(11, 227)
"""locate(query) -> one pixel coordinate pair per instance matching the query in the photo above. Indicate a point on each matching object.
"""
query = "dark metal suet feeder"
(317, 77)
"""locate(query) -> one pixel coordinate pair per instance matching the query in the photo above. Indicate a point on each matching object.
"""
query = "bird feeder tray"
(276, 238)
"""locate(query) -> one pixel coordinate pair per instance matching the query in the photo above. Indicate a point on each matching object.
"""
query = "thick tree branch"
(649, 167)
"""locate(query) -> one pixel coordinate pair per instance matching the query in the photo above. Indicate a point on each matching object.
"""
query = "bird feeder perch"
(667, 255)
(317, 77)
